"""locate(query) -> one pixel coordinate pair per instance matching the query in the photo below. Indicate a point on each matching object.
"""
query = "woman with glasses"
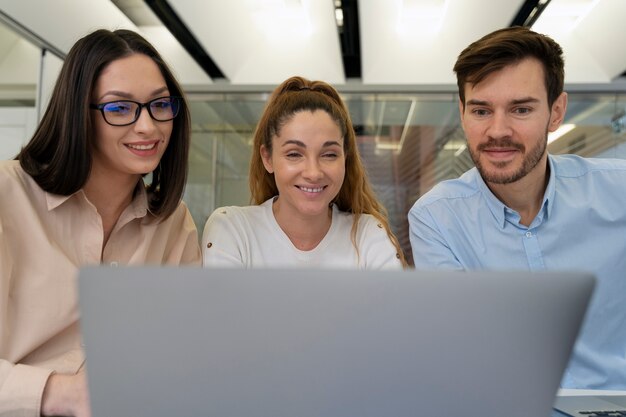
(314, 204)
(100, 182)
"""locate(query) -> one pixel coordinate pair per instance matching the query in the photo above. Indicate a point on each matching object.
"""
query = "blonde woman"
(314, 206)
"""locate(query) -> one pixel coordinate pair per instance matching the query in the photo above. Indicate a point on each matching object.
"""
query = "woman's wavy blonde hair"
(298, 94)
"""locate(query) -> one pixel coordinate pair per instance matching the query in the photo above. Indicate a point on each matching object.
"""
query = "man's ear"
(462, 112)
(266, 157)
(461, 109)
(557, 113)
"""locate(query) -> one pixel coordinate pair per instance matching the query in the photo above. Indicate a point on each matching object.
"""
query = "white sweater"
(250, 237)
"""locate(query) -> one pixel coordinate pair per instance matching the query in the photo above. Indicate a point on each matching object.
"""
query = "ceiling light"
(339, 17)
(388, 146)
(281, 19)
(563, 15)
(417, 17)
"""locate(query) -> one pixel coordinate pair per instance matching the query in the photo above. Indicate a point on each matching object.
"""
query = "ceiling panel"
(591, 33)
(267, 41)
(62, 23)
(403, 43)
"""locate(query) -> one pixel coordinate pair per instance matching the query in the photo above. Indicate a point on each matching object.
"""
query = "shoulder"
(11, 172)
(236, 219)
(181, 213)
(376, 249)
(591, 174)
(237, 213)
(576, 166)
(463, 188)
(367, 222)
(15, 181)
(369, 229)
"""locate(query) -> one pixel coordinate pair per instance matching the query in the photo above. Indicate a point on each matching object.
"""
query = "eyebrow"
(524, 100)
(303, 145)
(130, 96)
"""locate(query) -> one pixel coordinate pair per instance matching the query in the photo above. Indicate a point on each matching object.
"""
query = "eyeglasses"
(126, 112)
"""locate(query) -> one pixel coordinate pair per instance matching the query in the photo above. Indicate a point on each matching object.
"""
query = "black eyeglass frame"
(140, 106)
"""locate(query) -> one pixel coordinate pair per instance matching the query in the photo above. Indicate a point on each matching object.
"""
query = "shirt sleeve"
(21, 389)
(183, 247)
(21, 386)
(222, 246)
(429, 247)
(376, 251)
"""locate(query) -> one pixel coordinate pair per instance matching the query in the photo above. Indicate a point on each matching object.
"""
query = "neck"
(110, 196)
(305, 232)
(525, 196)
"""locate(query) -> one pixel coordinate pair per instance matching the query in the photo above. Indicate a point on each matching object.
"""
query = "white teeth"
(141, 147)
(312, 190)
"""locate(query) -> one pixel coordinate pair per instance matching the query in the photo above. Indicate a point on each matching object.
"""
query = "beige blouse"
(44, 239)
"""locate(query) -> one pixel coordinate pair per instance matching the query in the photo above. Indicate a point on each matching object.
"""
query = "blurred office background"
(390, 59)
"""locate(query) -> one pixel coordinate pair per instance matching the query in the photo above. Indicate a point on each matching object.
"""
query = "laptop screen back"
(187, 341)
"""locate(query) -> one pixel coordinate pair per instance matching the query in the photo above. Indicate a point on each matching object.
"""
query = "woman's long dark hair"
(59, 155)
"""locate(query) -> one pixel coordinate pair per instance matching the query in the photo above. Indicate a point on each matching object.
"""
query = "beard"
(531, 159)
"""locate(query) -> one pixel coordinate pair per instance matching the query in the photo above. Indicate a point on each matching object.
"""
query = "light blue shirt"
(581, 226)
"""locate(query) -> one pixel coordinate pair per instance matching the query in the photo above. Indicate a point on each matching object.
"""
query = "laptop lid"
(190, 341)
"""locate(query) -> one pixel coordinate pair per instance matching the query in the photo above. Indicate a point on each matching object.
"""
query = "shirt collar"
(138, 206)
(496, 206)
(548, 196)
(499, 209)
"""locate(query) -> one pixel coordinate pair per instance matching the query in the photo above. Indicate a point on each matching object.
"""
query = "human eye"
(119, 108)
(330, 155)
(480, 112)
(522, 111)
(161, 103)
(293, 154)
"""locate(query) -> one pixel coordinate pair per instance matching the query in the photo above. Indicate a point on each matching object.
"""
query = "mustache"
(501, 143)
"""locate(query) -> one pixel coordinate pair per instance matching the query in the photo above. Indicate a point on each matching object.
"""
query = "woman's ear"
(266, 157)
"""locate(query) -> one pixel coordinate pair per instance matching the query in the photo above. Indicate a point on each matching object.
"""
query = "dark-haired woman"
(75, 195)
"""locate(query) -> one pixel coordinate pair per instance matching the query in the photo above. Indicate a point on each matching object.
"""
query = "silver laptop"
(591, 405)
(284, 343)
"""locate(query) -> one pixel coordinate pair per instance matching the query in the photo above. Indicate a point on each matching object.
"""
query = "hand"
(66, 395)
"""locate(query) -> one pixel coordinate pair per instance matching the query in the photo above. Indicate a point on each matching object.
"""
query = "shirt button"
(529, 234)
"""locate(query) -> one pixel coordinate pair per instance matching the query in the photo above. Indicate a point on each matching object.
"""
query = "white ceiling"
(262, 42)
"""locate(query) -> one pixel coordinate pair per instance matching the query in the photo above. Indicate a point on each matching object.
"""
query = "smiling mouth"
(311, 189)
(500, 151)
(141, 147)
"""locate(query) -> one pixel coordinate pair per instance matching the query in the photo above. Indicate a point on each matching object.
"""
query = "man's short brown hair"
(509, 46)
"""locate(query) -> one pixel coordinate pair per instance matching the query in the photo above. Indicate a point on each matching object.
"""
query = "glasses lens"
(164, 108)
(120, 112)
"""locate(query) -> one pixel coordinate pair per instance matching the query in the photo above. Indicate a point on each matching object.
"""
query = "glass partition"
(408, 142)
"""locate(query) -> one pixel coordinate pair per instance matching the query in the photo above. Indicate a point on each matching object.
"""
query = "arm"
(429, 247)
(29, 390)
(221, 243)
(66, 395)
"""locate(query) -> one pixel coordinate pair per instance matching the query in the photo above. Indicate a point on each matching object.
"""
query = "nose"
(144, 123)
(313, 171)
(499, 126)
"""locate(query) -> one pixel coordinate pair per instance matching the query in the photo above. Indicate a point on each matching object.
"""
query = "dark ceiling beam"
(350, 39)
(529, 12)
(181, 32)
